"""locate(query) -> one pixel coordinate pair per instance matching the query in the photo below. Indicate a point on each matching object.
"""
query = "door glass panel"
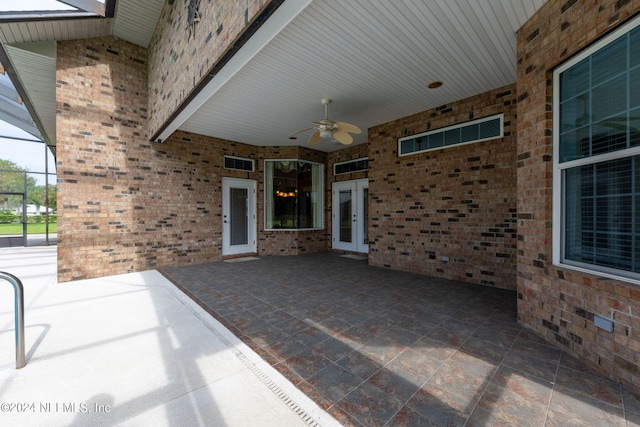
(239, 220)
(365, 216)
(345, 216)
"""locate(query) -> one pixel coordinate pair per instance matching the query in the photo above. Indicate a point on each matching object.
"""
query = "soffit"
(134, 21)
(35, 63)
(32, 65)
(373, 58)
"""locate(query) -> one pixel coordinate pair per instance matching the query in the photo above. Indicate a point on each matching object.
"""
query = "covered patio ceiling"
(373, 58)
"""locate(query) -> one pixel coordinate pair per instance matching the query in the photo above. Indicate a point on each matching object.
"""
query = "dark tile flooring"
(377, 347)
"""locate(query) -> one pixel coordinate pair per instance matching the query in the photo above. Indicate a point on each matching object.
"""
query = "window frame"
(246, 159)
(320, 191)
(560, 168)
(335, 166)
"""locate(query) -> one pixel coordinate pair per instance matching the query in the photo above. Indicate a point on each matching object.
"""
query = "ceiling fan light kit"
(327, 128)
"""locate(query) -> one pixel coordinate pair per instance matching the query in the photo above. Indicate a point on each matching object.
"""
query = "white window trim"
(559, 168)
(456, 126)
(321, 227)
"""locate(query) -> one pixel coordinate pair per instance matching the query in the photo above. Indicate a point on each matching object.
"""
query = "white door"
(351, 215)
(238, 216)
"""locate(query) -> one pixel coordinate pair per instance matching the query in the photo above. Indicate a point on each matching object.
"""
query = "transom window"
(465, 133)
(597, 157)
(351, 166)
(293, 194)
(239, 163)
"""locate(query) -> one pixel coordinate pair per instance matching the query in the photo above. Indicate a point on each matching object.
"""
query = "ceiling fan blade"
(342, 136)
(314, 138)
(348, 127)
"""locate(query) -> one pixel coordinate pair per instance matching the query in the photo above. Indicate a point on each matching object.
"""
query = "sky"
(28, 155)
(12, 5)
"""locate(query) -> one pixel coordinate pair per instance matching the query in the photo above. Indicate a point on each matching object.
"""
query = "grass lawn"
(16, 229)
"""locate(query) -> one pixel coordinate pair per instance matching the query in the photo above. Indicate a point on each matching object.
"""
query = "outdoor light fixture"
(435, 85)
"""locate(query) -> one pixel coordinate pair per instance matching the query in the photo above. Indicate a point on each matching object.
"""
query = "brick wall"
(559, 303)
(180, 55)
(458, 202)
(127, 204)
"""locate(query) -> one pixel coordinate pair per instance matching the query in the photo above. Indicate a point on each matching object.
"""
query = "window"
(597, 157)
(293, 194)
(351, 166)
(238, 163)
(466, 133)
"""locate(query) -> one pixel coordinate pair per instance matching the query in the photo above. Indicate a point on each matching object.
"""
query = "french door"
(350, 215)
(238, 216)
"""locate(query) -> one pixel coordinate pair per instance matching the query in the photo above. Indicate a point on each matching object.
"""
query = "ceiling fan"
(327, 128)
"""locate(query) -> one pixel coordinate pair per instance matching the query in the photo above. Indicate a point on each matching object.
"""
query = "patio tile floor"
(377, 347)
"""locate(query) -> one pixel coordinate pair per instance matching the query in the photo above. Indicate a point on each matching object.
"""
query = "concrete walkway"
(131, 350)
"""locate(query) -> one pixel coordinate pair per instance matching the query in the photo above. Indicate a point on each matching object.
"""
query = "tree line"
(12, 180)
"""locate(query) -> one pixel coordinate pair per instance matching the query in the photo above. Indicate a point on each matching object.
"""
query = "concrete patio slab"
(131, 350)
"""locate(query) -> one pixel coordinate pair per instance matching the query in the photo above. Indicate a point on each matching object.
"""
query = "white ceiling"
(373, 58)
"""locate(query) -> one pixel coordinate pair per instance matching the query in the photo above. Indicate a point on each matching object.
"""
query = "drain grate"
(304, 416)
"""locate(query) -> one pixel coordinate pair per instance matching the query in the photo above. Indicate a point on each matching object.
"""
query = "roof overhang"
(374, 59)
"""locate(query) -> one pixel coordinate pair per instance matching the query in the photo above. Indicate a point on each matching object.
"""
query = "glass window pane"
(634, 87)
(609, 61)
(345, 216)
(634, 47)
(575, 80)
(490, 128)
(452, 136)
(614, 177)
(575, 145)
(365, 224)
(407, 146)
(239, 219)
(634, 128)
(470, 133)
(609, 135)
(575, 112)
(295, 194)
(600, 214)
(609, 98)
(436, 140)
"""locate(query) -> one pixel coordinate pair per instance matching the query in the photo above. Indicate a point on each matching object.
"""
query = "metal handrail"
(18, 290)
